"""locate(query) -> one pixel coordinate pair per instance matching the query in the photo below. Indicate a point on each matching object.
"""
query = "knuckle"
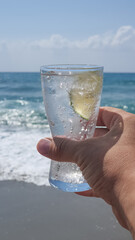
(60, 147)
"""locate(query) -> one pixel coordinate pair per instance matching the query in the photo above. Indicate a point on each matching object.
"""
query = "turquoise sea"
(23, 121)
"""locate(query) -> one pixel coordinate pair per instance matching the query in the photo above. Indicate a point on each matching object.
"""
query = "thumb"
(60, 149)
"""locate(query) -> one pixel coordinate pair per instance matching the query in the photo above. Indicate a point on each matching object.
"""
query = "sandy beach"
(30, 212)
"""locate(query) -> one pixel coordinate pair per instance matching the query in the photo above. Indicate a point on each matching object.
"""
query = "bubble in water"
(52, 123)
(82, 137)
(71, 130)
(61, 85)
(70, 120)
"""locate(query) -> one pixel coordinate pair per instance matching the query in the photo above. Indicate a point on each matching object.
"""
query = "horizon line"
(39, 72)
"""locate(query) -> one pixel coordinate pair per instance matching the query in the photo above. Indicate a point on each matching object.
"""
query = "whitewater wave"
(22, 113)
(19, 159)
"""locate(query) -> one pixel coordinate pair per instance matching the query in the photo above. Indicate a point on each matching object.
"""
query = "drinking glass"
(71, 96)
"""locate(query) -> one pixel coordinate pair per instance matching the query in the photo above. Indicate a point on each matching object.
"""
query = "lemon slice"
(85, 93)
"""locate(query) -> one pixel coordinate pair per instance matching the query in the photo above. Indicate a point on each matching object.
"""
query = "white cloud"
(123, 35)
(116, 50)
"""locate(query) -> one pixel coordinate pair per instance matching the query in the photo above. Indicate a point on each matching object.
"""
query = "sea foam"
(19, 159)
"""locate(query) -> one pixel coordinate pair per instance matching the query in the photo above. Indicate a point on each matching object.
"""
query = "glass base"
(69, 187)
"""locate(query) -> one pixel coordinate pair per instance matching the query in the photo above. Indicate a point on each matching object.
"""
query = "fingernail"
(44, 146)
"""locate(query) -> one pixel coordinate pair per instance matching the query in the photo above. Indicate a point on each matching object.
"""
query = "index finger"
(108, 115)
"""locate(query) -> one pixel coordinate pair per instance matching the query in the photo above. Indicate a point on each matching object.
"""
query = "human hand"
(107, 160)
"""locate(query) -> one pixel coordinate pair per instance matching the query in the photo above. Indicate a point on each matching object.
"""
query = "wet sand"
(30, 212)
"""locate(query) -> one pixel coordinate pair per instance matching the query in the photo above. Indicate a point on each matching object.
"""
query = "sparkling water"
(64, 120)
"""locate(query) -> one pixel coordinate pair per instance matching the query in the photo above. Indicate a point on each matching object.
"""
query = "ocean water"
(23, 121)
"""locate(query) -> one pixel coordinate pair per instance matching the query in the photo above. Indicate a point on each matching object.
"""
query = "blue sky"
(37, 32)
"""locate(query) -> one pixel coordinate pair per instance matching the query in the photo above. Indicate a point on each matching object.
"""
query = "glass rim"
(65, 67)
